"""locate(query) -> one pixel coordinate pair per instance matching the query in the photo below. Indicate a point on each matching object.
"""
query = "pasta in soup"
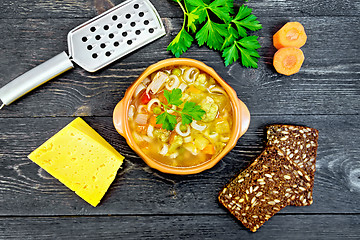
(180, 117)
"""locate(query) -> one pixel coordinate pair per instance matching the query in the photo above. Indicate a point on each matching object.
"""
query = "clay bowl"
(241, 117)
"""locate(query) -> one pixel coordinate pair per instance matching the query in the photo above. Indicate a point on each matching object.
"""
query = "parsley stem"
(184, 11)
(186, 7)
(166, 107)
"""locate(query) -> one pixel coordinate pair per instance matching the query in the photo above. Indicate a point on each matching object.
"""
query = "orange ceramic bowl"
(241, 117)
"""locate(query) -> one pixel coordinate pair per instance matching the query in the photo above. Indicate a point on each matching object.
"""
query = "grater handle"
(34, 78)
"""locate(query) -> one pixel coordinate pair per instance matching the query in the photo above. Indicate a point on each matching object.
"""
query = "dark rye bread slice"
(300, 145)
(264, 188)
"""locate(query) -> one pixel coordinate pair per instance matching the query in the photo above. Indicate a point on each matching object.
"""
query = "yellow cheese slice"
(81, 159)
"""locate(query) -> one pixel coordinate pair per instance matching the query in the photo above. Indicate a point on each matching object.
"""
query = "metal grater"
(94, 45)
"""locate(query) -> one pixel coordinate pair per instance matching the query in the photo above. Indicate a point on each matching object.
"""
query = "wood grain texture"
(143, 203)
(167, 8)
(23, 183)
(326, 84)
(74, 8)
(296, 227)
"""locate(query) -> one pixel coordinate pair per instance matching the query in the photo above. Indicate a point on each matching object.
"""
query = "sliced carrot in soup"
(209, 149)
(152, 121)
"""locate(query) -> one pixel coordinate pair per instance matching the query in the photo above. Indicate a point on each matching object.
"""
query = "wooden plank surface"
(177, 227)
(147, 204)
(149, 191)
(85, 8)
(325, 85)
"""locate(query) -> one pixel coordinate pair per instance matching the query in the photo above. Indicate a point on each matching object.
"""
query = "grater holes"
(114, 17)
(84, 39)
(137, 32)
(116, 44)
(106, 27)
(141, 14)
(129, 42)
(119, 25)
(103, 45)
(146, 22)
(93, 29)
(108, 54)
(97, 37)
(94, 55)
(136, 6)
(133, 24)
(128, 15)
(124, 34)
(89, 47)
(151, 30)
(111, 35)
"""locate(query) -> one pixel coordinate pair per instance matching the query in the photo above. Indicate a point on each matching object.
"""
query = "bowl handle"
(244, 118)
(118, 117)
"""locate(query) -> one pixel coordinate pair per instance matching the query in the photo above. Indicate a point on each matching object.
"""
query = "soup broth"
(186, 145)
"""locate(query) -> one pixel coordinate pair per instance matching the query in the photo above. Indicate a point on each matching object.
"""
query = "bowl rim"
(236, 103)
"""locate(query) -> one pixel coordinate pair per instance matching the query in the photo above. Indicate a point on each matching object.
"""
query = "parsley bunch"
(214, 24)
(188, 113)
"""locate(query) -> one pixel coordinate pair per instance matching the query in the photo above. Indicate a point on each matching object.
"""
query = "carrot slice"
(209, 149)
(162, 98)
(193, 90)
(292, 34)
(141, 129)
(288, 60)
(152, 121)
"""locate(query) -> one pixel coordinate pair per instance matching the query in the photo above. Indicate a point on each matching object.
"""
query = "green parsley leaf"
(167, 120)
(173, 97)
(191, 21)
(188, 7)
(232, 31)
(230, 5)
(201, 12)
(247, 47)
(250, 42)
(186, 119)
(221, 9)
(211, 34)
(249, 57)
(214, 25)
(243, 12)
(230, 54)
(230, 38)
(196, 3)
(193, 110)
(189, 112)
(181, 43)
(244, 19)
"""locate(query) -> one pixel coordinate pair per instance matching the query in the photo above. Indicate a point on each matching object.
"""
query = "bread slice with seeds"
(264, 188)
(300, 145)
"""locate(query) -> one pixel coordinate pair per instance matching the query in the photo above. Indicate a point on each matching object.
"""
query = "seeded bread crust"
(300, 145)
(264, 188)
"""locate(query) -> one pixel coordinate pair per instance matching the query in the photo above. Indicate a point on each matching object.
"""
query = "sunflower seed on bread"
(264, 188)
(300, 145)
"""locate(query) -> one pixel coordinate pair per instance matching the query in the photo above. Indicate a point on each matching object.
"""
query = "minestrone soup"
(186, 145)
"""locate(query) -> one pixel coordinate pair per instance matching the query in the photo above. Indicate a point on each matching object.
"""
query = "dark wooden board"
(327, 83)
(143, 203)
(296, 227)
(23, 183)
(168, 8)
